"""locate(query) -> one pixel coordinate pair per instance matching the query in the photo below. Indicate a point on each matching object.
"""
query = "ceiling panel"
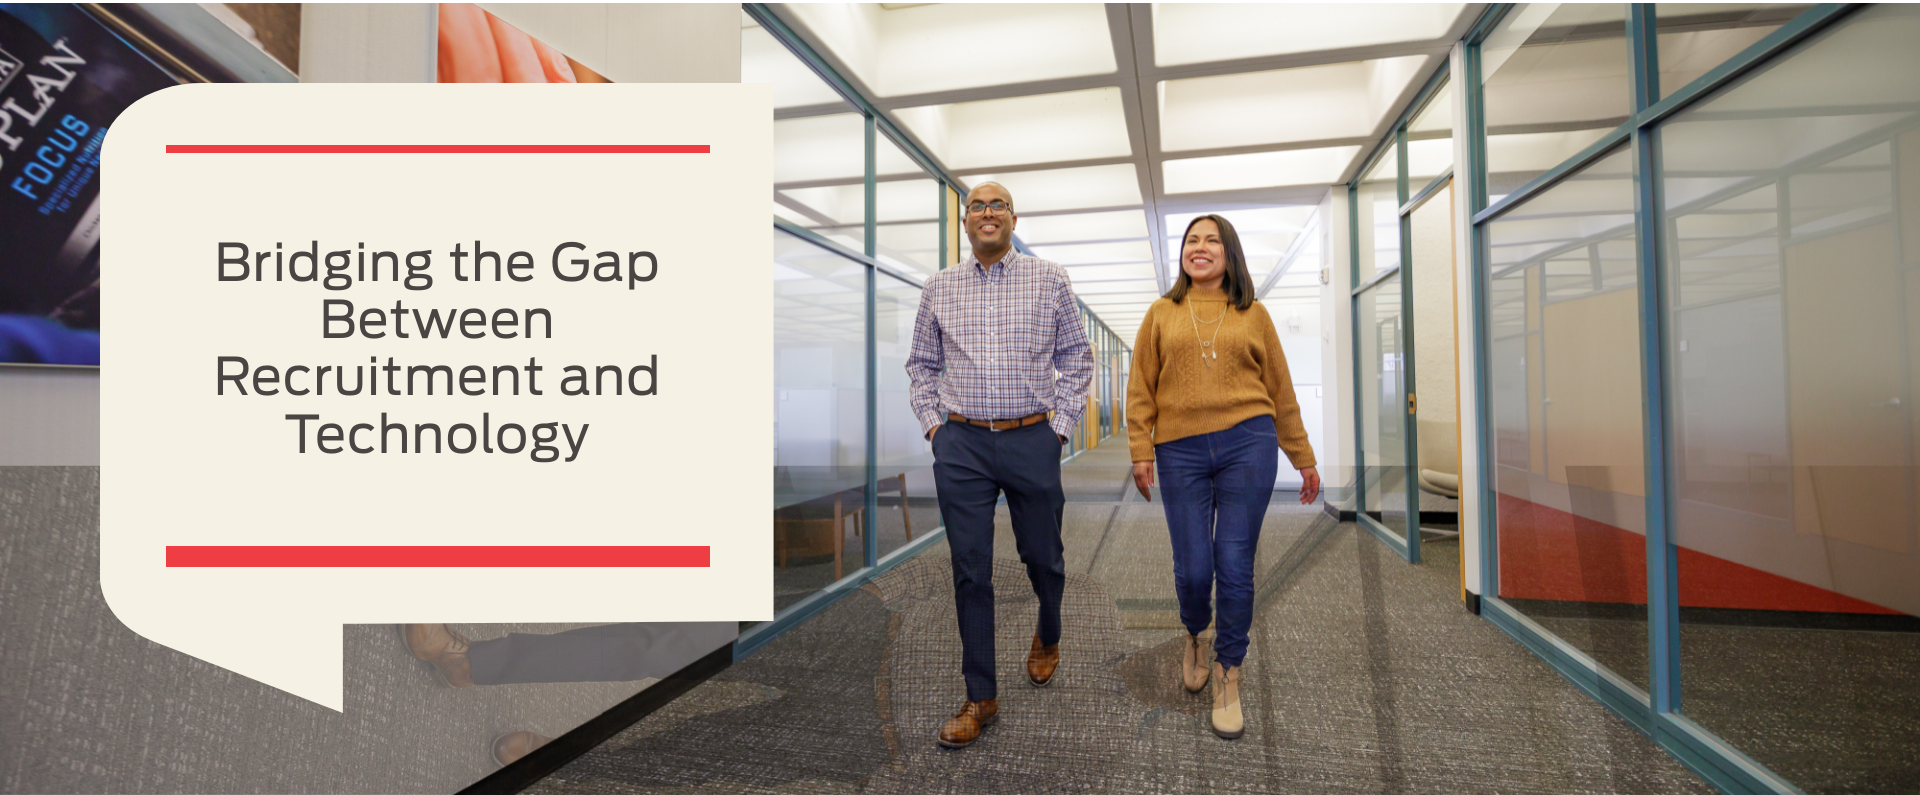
(1095, 253)
(1258, 170)
(1313, 103)
(1260, 219)
(1103, 288)
(1074, 125)
(1143, 298)
(1107, 273)
(1116, 225)
(908, 50)
(764, 60)
(1190, 33)
(898, 200)
(1068, 188)
(820, 148)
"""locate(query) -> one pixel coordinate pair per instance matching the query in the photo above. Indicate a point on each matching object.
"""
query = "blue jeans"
(1215, 488)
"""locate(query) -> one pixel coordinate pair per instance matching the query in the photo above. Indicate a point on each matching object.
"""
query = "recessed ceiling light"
(1188, 33)
(1068, 188)
(1101, 288)
(1096, 253)
(1079, 227)
(903, 52)
(1107, 273)
(1313, 103)
(1251, 221)
(1042, 128)
(1258, 170)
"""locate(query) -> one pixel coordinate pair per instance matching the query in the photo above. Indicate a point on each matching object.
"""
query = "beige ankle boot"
(1193, 665)
(1227, 720)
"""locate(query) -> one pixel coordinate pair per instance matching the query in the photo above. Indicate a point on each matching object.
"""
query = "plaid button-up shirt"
(1000, 343)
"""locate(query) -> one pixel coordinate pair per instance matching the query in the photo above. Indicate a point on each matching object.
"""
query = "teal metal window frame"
(872, 563)
(1405, 202)
(1656, 713)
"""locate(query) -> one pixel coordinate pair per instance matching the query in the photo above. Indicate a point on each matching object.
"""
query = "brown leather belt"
(1003, 425)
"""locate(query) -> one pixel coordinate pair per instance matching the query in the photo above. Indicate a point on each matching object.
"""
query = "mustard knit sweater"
(1174, 394)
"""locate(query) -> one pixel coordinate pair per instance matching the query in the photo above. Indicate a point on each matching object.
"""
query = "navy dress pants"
(972, 467)
(1215, 488)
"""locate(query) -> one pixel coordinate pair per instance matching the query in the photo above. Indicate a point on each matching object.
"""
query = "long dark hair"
(1239, 283)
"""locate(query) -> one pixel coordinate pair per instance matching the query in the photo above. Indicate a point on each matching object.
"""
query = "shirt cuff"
(1061, 426)
(929, 421)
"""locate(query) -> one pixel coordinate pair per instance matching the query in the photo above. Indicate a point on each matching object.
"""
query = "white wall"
(1471, 507)
(1336, 347)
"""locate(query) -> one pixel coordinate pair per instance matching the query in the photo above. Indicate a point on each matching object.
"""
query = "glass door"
(1384, 500)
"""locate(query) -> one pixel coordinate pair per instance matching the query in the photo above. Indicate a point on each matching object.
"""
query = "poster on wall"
(477, 47)
(63, 80)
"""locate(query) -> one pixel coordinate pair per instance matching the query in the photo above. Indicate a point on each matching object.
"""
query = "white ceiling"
(1111, 125)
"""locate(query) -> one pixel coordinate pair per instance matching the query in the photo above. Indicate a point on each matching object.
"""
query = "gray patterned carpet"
(1365, 676)
(88, 706)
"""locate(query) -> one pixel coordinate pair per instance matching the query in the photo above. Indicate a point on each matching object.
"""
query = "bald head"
(989, 230)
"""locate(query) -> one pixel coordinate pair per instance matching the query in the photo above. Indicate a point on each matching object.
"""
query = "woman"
(1210, 399)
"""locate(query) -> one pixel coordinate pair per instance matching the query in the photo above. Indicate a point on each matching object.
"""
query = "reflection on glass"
(1430, 140)
(1383, 398)
(1569, 435)
(1695, 37)
(819, 417)
(1378, 204)
(906, 212)
(1556, 79)
(820, 173)
(1794, 204)
(908, 508)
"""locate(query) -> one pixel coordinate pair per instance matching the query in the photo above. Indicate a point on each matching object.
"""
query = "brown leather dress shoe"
(508, 748)
(1041, 663)
(440, 645)
(966, 727)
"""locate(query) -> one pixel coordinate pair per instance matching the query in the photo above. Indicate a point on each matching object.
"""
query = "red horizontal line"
(439, 557)
(439, 149)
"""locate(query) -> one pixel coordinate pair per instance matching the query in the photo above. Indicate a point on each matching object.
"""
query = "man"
(1000, 369)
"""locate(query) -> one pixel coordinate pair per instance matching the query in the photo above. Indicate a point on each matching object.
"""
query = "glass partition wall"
(1396, 271)
(1692, 229)
(862, 218)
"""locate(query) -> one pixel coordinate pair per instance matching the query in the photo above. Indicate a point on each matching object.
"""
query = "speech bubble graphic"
(431, 353)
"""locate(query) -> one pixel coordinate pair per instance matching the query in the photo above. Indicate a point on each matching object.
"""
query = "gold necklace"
(1208, 353)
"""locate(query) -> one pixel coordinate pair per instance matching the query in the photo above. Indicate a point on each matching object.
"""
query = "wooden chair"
(816, 527)
(899, 484)
(819, 525)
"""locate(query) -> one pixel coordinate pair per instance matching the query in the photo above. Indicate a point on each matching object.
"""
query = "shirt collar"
(1005, 262)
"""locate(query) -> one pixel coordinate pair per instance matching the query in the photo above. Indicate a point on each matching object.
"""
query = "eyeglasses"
(997, 206)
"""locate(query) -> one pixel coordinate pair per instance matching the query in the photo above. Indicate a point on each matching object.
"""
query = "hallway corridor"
(1365, 676)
